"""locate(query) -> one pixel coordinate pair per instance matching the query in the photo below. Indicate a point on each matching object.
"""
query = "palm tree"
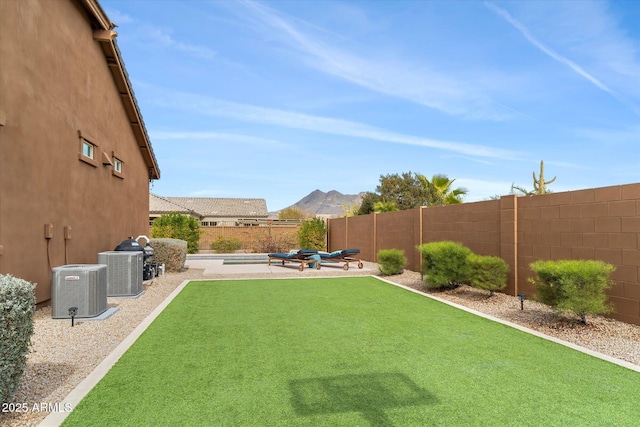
(382, 206)
(439, 190)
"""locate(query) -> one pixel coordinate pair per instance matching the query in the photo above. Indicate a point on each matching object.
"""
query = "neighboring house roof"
(210, 206)
(105, 35)
(161, 205)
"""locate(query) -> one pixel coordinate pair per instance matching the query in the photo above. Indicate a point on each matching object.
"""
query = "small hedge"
(391, 261)
(487, 272)
(17, 306)
(272, 243)
(577, 286)
(178, 226)
(226, 246)
(170, 252)
(445, 264)
(312, 234)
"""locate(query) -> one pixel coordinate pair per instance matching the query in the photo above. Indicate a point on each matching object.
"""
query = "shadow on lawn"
(369, 394)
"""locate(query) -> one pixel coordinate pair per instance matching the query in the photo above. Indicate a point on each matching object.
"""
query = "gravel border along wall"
(62, 356)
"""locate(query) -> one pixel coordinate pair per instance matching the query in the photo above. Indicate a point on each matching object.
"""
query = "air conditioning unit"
(83, 286)
(124, 272)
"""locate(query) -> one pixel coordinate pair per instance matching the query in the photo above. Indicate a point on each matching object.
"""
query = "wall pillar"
(509, 240)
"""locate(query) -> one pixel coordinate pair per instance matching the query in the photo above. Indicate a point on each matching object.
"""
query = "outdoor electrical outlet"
(67, 232)
(48, 231)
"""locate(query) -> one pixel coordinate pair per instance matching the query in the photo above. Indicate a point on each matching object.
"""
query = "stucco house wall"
(57, 85)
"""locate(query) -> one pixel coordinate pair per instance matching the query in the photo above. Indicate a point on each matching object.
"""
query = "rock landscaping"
(62, 356)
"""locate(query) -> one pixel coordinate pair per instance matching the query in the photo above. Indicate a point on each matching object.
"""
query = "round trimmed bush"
(391, 261)
(445, 264)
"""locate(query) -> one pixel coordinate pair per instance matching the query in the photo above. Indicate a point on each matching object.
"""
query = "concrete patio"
(215, 267)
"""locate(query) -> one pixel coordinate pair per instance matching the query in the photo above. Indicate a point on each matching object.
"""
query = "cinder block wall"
(600, 223)
(249, 236)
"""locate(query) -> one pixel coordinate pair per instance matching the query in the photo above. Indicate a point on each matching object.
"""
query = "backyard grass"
(348, 352)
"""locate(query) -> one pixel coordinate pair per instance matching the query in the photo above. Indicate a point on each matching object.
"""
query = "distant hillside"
(327, 204)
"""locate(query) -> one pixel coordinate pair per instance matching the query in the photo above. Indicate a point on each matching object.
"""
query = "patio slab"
(216, 267)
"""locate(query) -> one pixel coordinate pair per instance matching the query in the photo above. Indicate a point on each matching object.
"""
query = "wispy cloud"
(209, 106)
(217, 136)
(619, 47)
(160, 37)
(118, 17)
(617, 136)
(163, 37)
(403, 78)
(483, 189)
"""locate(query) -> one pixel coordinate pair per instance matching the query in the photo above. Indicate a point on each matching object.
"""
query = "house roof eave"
(106, 36)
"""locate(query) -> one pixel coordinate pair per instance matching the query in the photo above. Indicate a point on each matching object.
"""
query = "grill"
(149, 267)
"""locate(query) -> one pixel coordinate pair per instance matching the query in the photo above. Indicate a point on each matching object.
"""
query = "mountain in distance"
(327, 204)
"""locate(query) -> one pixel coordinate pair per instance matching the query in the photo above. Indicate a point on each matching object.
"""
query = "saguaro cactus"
(540, 185)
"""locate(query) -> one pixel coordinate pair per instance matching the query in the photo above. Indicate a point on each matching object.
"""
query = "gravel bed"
(63, 356)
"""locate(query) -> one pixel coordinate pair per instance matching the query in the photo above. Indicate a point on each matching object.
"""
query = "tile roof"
(210, 206)
(162, 205)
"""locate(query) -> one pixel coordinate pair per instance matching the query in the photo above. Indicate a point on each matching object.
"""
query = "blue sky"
(276, 99)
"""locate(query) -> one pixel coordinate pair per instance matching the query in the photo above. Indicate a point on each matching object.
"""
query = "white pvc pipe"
(142, 236)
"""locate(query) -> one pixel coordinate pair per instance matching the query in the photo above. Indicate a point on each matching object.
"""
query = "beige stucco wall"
(55, 82)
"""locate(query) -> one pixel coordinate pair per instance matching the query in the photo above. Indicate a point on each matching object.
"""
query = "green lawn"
(348, 352)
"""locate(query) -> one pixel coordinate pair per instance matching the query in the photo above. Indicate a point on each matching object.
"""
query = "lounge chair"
(303, 256)
(345, 256)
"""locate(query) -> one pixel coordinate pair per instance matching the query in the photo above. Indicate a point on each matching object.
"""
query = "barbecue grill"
(149, 267)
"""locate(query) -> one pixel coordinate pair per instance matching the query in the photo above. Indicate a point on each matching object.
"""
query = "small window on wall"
(118, 165)
(88, 150)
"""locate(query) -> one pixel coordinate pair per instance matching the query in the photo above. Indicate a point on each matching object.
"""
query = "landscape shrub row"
(575, 286)
(17, 306)
(312, 234)
(226, 246)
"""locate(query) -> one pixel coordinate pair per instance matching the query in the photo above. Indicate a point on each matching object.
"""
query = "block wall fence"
(249, 236)
(599, 223)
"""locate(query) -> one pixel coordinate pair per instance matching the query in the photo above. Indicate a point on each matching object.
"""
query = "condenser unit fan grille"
(83, 286)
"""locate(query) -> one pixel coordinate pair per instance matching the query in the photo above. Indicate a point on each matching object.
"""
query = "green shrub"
(178, 226)
(487, 272)
(445, 264)
(391, 261)
(275, 244)
(170, 252)
(577, 286)
(17, 306)
(312, 234)
(226, 246)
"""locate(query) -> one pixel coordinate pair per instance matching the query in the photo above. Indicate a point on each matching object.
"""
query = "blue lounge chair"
(303, 256)
(345, 256)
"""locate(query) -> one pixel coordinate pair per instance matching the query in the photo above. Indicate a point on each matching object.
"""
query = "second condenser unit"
(124, 272)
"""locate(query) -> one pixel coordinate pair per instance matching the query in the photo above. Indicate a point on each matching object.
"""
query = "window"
(88, 150)
(118, 165)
